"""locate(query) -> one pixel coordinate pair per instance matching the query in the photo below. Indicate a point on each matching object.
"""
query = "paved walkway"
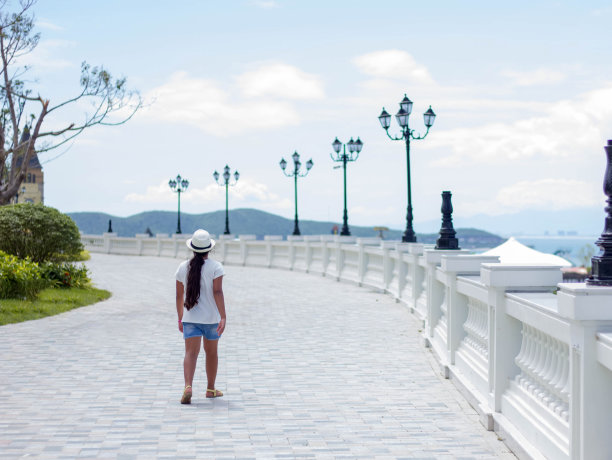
(311, 369)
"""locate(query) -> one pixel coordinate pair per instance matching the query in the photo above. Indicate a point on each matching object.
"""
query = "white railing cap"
(344, 239)
(295, 238)
(226, 237)
(273, 238)
(369, 241)
(434, 256)
(520, 276)
(580, 301)
(312, 237)
(247, 237)
(465, 263)
(326, 237)
(109, 234)
(142, 235)
(162, 235)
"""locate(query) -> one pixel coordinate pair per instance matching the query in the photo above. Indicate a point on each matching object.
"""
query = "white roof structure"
(516, 253)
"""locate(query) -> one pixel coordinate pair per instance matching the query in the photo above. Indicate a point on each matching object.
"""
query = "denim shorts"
(209, 331)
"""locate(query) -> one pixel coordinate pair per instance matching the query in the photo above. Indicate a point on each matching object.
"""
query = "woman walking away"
(201, 311)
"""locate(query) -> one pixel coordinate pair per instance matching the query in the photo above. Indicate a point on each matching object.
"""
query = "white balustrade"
(536, 364)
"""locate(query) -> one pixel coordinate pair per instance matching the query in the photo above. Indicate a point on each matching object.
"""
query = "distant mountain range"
(251, 222)
(584, 221)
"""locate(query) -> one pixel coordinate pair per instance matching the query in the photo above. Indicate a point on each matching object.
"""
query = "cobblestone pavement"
(311, 369)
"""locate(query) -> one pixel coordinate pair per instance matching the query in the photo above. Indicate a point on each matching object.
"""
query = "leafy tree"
(23, 114)
(39, 233)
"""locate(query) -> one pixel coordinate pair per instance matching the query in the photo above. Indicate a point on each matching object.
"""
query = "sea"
(577, 249)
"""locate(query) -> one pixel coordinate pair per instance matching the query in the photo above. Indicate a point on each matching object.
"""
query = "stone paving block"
(311, 368)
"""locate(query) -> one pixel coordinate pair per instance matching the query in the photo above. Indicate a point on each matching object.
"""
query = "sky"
(522, 91)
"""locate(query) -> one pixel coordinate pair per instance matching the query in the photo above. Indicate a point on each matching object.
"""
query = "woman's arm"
(220, 301)
(180, 289)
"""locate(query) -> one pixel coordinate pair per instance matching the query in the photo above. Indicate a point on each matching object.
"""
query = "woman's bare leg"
(212, 363)
(192, 349)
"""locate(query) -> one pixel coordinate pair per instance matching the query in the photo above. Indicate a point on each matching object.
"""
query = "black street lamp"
(178, 185)
(601, 265)
(226, 183)
(354, 148)
(295, 174)
(407, 134)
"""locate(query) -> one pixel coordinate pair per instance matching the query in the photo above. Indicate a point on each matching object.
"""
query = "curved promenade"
(311, 369)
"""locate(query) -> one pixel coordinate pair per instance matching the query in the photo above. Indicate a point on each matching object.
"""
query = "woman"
(201, 311)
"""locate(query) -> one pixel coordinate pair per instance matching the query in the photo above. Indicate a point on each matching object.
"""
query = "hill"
(249, 221)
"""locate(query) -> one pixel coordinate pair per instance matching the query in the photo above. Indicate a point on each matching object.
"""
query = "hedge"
(39, 233)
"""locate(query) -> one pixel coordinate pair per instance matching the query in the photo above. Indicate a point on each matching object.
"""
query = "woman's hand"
(221, 326)
(180, 325)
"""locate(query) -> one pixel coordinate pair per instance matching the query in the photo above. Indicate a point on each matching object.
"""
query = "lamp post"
(601, 265)
(402, 119)
(295, 174)
(354, 149)
(226, 179)
(178, 185)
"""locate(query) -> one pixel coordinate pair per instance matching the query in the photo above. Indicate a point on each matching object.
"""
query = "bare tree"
(23, 114)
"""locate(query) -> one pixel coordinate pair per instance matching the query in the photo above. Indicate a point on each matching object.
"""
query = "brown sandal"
(186, 399)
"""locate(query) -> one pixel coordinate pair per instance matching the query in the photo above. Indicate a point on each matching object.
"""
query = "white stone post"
(339, 259)
(362, 261)
(435, 289)
(292, 240)
(417, 275)
(270, 239)
(505, 331)
(452, 266)
(589, 310)
(324, 255)
(108, 241)
(225, 241)
(244, 247)
(387, 264)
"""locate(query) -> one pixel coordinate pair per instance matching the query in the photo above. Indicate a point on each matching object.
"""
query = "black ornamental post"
(447, 238)
(601, 273)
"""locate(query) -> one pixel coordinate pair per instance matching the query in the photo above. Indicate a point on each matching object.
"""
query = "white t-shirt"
(205, 310)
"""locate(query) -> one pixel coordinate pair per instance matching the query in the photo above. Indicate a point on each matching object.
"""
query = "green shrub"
(38, 232)
(19, 278)
(65, 275)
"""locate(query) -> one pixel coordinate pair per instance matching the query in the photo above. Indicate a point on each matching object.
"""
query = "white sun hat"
(200, 241)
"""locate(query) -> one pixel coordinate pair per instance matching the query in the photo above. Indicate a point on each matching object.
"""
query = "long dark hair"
(194, 276)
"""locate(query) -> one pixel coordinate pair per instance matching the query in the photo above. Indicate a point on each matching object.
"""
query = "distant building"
(32, 188)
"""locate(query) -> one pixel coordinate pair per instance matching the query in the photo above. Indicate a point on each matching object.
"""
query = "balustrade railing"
(532, 355)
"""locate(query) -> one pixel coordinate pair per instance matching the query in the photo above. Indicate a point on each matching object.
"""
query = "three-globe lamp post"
(407, 134)
(178, 185)
(295, 174)
(226, 182)
(354, 147)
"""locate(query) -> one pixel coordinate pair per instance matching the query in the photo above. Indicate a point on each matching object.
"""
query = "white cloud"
(204, 104)
(550, 194)
(393, 64)
(44, 55)
(535, 77)
(44, 24)
(246, 191)
(564, 129)
(280, 80)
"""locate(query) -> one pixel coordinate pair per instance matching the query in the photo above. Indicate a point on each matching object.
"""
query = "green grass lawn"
(49, 302)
